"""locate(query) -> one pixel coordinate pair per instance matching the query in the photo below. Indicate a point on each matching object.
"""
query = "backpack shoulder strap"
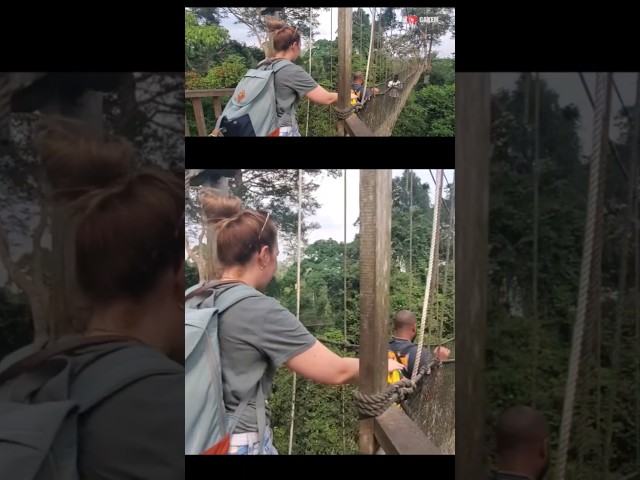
(42, 355)
(116, 370)
(230, 297)
(281, 64)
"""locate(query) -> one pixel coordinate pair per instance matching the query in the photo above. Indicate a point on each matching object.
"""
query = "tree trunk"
(68, 315)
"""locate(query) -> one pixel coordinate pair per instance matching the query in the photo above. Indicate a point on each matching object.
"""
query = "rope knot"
(373, 405)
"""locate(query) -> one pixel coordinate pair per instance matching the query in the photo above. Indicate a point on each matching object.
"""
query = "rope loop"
(374, 405)
(344, 113)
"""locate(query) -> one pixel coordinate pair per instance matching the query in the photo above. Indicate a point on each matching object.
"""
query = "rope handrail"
(356, 346)
(374, 405)
(432, 257)
(592, 245)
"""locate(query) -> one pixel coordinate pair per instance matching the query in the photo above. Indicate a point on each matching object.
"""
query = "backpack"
(207, 426)
(251, 111)
(42, 398)
(400, 357)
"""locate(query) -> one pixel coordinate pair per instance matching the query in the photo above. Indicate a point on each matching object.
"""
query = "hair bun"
(274, 24)
(218, 208)
(77, 160)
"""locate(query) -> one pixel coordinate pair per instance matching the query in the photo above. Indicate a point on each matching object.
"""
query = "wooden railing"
(354, 125)
(196, 97)
(397, 434)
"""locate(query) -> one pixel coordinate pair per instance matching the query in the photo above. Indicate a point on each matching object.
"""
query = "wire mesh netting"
(432, 407)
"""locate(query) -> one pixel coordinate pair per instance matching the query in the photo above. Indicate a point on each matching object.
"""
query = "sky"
(330, 196)
(240, 33)
(570, 90)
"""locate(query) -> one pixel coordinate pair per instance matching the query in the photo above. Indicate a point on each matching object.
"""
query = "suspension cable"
(344, 310)
(306, 134)
(298, 288)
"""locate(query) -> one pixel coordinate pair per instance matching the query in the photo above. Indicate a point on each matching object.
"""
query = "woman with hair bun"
(125, 240)
(292, 82)
(257, 335)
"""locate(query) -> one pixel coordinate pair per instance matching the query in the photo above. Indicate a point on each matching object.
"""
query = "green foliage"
(200, 42)
(510, 372)
(318, 427)
(429, 112)
(442, 72)
(228, 74)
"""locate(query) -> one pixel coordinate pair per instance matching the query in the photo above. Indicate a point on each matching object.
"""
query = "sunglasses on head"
(266, 219)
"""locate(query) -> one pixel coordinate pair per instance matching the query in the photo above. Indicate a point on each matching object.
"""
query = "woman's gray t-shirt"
(292, 83)
(256, 336)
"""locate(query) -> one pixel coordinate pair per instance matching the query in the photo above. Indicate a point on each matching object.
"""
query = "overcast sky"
(242, 34)
(570, 90)
(330, 196)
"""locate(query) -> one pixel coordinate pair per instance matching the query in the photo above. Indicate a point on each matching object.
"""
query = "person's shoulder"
(156, 373)
(292, 67)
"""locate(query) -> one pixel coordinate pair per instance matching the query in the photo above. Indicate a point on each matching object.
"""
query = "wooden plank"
(472, 232)
(398, 435)
(375, 260)
(344, 62)
(356, 127)
(209, 92)
(197, 109)
(217, 107)
(186, 126)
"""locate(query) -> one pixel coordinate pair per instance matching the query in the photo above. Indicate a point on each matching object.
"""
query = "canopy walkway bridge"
(426, 422)
(374, 116)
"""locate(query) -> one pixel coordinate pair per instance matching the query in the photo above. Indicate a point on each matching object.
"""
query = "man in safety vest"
(405, 329)
(358, 89)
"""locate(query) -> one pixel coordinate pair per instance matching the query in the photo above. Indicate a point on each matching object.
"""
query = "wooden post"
(472, 231)
(375, 260)
(344, 62)
(199, 113)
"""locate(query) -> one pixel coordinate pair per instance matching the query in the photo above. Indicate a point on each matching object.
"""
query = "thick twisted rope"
(591, 243)
(369, 406)
(344, 113)
(293, 387)
(371, 40)
(432, 259)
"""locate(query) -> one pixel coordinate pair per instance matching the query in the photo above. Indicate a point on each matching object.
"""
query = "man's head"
(358, 79)
(405, 325)
(522, 436)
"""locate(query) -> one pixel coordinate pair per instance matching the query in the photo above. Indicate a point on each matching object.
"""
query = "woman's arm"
(323, 366)
(322, 97)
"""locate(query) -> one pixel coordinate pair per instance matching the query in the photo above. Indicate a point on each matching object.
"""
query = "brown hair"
(283, 36)
(127, 224)
(239, 233)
